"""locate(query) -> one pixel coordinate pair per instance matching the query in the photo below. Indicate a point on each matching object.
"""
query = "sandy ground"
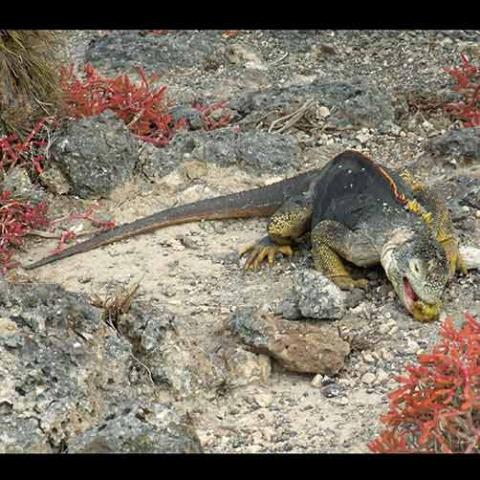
(195, 270)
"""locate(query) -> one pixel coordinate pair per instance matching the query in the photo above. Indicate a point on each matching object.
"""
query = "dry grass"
(115, 303)
(29, 77)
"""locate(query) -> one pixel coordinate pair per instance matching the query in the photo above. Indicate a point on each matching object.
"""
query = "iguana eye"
(415, 266)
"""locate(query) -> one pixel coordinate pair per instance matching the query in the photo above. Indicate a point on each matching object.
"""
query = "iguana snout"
(417, 267)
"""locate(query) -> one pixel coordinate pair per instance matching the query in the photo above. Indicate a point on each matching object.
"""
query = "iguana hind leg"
(332, 241)
(286, 225)
(441, 221)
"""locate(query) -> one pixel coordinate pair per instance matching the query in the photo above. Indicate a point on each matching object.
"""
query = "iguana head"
(417, 267)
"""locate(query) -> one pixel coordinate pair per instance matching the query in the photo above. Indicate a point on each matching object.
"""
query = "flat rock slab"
(354, 103)
(122, 50)
(139, 429)
(463, 143)
(299, 347)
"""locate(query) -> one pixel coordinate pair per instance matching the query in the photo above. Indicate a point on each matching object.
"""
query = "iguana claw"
(263, 250)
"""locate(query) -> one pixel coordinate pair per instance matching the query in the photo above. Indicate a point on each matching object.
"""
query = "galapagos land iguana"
(353, 208)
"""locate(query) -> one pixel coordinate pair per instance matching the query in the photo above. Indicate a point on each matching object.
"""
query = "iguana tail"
(259, 202)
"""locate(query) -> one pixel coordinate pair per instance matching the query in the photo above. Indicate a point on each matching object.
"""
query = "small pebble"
(412, 346)
(324, 112)
(263, 399)
(368, 378)
(427, 125)
(363, 137)
(332, 390)
(367, 357)
(317, 381)
(387, 356)
(382, 377)
(344, 382)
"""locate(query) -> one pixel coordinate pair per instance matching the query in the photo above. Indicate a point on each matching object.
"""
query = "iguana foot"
(346, 282)
(455, 260)
(263, 250)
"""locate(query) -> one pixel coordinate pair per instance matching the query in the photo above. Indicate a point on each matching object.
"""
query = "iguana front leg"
(440, 222)
(288, 223)
(331, 241)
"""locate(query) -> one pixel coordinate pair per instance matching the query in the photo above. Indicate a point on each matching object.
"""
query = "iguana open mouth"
(410, 296)
(422, 311)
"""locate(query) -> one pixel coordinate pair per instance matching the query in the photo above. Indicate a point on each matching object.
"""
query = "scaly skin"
(362, 213)
(259, 202)
(440, 221)
(354, 210)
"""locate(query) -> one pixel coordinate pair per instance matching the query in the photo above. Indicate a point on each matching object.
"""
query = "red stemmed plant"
(467, 78)
(142, 106)
(437, 406)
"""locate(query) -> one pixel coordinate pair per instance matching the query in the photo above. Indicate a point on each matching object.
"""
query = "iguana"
(353, 208)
